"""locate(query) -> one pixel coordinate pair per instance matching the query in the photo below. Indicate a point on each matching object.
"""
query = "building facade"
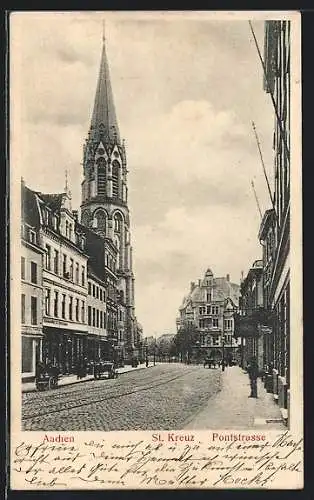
(209, 310)
(253, 325)
(274, 232)
(31, 284)
(277, 82)
(64, 283)
(106, 308)
(104, 206)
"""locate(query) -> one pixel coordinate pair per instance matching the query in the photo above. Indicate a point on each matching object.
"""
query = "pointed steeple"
(104, 118)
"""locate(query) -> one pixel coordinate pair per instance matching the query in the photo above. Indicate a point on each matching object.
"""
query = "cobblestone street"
(166, 396)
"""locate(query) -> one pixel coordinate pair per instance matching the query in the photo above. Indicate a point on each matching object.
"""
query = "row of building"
(72, 304)
(253, 319)
(77, 281)
(263, 320)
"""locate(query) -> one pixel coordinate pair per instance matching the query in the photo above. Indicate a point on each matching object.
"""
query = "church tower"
(104, 206)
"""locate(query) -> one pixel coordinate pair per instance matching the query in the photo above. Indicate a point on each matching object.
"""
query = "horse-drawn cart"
(211, 363)
(47, 377)
(105, 368)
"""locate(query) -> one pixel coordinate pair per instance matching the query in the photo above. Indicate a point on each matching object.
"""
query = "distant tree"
(185, 339)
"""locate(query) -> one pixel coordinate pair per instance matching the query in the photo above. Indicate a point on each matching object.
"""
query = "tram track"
(74, 404)
(53, 397)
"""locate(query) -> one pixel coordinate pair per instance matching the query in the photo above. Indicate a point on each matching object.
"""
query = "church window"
(101, 176)
(117, 223)
(115, 178)
(99, 221)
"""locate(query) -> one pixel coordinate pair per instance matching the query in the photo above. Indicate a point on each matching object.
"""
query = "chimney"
(228, 277)
(192, 286)
(199, 282)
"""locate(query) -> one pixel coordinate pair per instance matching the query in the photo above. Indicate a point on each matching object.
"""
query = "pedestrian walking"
(252, 370)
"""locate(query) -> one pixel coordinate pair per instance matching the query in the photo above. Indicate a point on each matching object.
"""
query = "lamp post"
(197, 344)
(223, 352)
(154, 352)
(146, 353)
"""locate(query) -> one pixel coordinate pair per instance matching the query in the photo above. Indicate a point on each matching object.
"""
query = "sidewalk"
(231, 408)
(72, 379)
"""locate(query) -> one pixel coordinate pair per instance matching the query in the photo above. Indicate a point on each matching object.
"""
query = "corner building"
(31, 284)
(210, 307)
(104, 206)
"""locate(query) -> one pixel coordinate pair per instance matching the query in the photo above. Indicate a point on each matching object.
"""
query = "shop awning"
(63, 331)
(99, 338)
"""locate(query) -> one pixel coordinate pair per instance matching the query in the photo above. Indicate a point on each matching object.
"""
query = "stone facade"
(210, 307)
(104, 206)
(31, 285)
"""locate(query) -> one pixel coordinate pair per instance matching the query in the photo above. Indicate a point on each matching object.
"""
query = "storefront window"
(27, 355)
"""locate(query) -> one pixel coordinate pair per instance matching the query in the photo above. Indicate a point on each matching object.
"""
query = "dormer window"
(66, 228)
(83, 242)
(70, 231)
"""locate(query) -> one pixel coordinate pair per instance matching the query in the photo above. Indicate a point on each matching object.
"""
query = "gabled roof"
(53, 201)
(29, 207)
(95, 249)
(223, 290)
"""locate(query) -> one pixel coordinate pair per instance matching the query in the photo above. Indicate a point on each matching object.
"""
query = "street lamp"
(223, 352)
(146, 353)
(154, 352)
(197, 344)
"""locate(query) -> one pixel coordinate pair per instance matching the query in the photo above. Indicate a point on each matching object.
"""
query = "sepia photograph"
(153, 164)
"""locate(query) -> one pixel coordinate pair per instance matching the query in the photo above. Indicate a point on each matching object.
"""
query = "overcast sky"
(186, 91)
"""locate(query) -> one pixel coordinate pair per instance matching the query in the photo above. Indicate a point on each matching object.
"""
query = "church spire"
(104, 120)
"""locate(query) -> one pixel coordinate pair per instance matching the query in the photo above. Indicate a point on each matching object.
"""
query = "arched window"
(118, 223)
(99, 220)
(117, 243)
(101, 176)
(115, 178)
